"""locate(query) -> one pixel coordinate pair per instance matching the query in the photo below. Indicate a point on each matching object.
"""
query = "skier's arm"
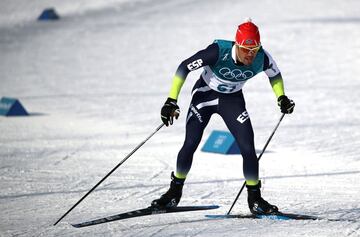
(272, 71)
(202, 58)
(277, 85)
(274, 75)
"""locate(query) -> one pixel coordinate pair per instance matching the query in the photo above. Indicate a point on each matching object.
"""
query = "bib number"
(226, 88)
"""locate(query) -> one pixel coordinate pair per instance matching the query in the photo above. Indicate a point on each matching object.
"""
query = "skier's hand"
(286, 105)
(169, 110)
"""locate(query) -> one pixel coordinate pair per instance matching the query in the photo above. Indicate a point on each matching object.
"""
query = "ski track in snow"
(94, 83)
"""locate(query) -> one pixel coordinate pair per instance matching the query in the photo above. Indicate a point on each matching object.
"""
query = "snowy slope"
(95, 82)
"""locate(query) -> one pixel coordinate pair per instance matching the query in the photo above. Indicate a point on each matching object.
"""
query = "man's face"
(246, 54)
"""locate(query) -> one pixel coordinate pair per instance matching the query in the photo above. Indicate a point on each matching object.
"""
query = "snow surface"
(94, 83)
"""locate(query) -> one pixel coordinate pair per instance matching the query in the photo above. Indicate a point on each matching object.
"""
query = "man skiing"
(227, 65)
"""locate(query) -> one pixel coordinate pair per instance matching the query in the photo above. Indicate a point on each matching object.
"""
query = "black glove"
(169, 110)
(286, 105)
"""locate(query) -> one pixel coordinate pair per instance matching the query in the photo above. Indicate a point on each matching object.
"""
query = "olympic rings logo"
(236, 74)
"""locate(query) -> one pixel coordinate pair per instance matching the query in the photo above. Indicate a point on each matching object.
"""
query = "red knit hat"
(247, 34)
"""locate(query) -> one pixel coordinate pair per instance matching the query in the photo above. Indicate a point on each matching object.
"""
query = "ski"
(276, 216)
(143, 212)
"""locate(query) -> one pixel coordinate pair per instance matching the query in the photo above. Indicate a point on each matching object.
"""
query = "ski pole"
(262, 152)
(121, 162)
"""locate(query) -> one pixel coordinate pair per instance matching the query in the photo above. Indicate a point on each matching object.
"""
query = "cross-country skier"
(227, 65)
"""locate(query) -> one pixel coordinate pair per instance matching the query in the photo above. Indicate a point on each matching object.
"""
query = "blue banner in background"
(221, 142)
(49, 14)
(12, 107)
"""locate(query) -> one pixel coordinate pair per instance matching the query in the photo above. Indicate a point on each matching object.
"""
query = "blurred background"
(94, 82)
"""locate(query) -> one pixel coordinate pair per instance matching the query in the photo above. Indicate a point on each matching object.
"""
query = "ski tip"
(218, 216)
(213, 206)
(80, 225)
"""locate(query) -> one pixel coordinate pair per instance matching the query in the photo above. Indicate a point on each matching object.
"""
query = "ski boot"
(172, 197)
(256, 203)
